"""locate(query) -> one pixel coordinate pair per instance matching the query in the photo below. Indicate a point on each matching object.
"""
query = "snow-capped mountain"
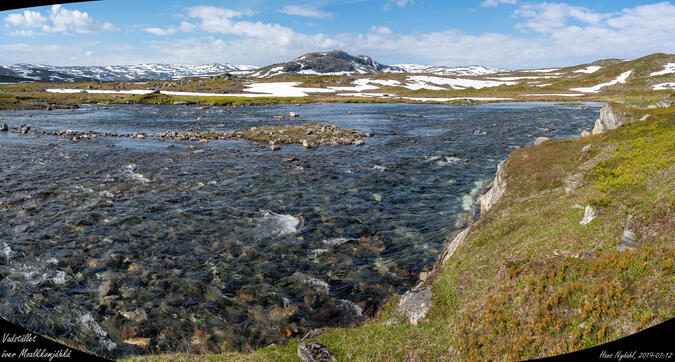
(443, 70)
(335, 62)
(118, 72)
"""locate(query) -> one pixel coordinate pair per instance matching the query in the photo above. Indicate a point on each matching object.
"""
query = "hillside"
(530, 280)
(646, 81)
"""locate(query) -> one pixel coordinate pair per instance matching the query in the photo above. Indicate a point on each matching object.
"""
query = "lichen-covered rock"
(498, 186)
(415, 304)
(608, 120)
(589, 215)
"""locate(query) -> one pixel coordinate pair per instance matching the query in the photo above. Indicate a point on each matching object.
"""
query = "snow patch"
(589, 69)
(667, 69)
(621, 79)
(664, 86)
(455, 83)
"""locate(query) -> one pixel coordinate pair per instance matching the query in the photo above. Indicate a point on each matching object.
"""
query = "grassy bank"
(530, 281)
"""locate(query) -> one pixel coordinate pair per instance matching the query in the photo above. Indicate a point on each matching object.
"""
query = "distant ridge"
(38, 72)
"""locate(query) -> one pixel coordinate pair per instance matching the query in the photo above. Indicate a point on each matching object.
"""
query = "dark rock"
(4, 127)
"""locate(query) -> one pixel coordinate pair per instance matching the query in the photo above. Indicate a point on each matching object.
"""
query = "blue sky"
(501, 33)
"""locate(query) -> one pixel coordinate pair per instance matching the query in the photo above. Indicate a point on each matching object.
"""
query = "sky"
(510, 34)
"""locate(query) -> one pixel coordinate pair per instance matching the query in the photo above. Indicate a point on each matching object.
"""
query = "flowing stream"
(129, 246)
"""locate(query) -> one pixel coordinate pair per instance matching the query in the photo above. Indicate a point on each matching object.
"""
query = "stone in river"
(3, 127)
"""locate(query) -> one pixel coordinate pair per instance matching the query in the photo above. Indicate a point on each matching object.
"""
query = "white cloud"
(493, 3)
(546, 17)
(308, 10)
(22, 33)
(186, 27)
(160, 31)
(29, 19)
(59, 20)
(563, 34)
(554, 35)
(399, 3)
(380, 29)
(219, 20)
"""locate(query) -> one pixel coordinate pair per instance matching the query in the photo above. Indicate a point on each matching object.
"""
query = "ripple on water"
(246, 246)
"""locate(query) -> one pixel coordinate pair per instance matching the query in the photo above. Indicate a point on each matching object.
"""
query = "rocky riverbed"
(124, 245)
(309, 135)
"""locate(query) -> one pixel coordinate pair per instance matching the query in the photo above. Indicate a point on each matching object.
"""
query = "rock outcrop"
(495, 192)
(609, 119)
(415, 304)
(589, 215)
(541, 140)
(629, 240)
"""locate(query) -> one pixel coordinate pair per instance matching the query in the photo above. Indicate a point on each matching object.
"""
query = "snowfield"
(596, 88)
(282, 89)
(589, 69)
(361, 85)
(664, 86)
(276, 89)
(667, 69)
(421, 81)
(541, 70)
(554, 94)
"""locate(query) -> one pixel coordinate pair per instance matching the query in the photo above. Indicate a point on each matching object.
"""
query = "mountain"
(338, 62)
(33, 72)
(334, 62)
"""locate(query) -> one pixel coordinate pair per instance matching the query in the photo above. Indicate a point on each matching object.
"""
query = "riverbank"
(530, 280)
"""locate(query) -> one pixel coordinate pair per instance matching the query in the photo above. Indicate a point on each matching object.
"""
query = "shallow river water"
(129, 246)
